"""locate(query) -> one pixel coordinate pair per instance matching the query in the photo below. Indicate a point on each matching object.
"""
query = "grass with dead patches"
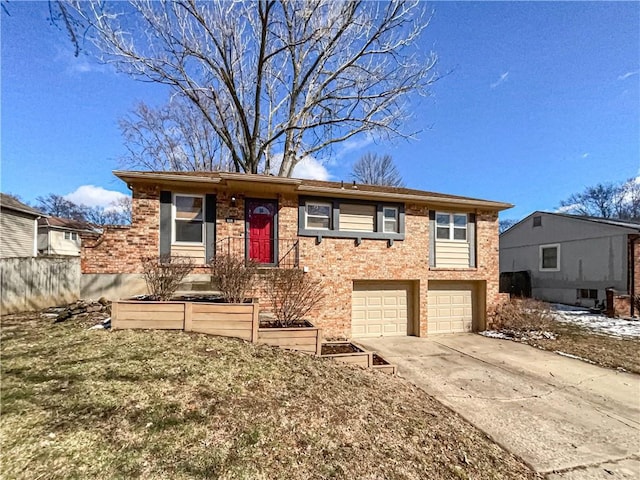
(525, 319)
(152, 404)
(601, 349)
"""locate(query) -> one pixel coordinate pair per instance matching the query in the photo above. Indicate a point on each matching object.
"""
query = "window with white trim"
(451, 226)
(390, 220)
(318, 216)
(550, 258)
(188, 219)
(70, 236)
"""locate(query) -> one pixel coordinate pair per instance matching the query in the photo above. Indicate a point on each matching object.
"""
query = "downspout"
(631, 278)
(35, 236)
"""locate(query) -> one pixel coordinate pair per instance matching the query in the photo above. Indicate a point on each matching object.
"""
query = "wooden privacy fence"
(237, 320)
(33, 283)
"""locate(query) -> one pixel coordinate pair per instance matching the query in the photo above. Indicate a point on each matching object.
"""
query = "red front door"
(260, 217)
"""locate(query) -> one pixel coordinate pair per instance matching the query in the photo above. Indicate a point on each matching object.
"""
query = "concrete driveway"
(562, 416)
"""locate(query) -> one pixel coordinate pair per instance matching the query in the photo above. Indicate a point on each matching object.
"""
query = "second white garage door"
(380, 309)
(450, 308)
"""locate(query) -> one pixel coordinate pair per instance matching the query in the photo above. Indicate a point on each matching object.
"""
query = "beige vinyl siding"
(194, 251)
(450, 254)
(17, 234)
(62, 246)
(357, 218)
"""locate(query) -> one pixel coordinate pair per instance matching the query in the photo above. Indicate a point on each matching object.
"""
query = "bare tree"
(117, 213)
(274, 79)
(58, 206)
(174, 137)
(506, 224)
(606, 200)
(372, 169)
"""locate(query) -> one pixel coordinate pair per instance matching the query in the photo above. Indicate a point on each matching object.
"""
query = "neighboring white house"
(572, 259)
(18, 228)
(61, 236)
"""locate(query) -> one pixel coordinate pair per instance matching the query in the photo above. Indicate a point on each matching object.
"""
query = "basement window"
(587, 293)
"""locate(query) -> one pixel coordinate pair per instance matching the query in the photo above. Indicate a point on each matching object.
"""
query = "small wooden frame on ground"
(347, 353)
(383, 366)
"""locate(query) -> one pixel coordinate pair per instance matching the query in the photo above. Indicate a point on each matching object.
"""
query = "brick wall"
(120, 249)
(338, 262)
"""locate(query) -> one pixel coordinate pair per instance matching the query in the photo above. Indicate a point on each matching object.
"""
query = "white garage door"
(379, 309)
(450, 308)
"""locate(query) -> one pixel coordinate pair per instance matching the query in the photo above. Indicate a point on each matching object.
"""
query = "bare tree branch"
(273, 78)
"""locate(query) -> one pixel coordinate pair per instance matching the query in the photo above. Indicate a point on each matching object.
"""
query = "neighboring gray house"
(571, 259)
(18, 228)
(61, 236)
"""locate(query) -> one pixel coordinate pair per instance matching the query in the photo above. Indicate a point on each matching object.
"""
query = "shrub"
(234, 276)
(292, 294)
(522, 315)
(163, 274)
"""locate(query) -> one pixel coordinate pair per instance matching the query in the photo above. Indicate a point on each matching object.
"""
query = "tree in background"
(606, 200)
(506, 224)
(374, 169)
(273, 79)
(174, 137)
(117, 213)
(58, 206)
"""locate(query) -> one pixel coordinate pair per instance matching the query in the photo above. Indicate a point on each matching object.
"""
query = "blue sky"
(542, 99)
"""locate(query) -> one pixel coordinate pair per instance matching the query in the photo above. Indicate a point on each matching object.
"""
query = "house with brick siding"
(573, 259)
(393, 261)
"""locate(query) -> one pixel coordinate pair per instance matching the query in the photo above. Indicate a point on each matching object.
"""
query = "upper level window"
(362, 219)
(70, 236)
(451, 226)
(537, 221)
(550, 257)
(390, 219)
(188, 215)
(318, 216)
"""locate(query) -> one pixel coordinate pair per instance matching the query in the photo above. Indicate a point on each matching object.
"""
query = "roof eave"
(429, 199)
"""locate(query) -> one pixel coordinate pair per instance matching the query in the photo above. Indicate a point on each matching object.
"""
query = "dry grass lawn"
(135, 404)
(604, 350)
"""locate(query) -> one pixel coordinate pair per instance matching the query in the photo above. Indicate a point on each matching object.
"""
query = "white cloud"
(310, 168)
(568, 208)
(354, 144)
(93, 196)
(501, 80)
(585, 155)
(624, 76)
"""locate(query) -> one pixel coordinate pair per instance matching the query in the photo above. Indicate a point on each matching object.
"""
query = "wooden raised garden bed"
(304, 338)
(347, 352)
(383, 366)
(238, 320)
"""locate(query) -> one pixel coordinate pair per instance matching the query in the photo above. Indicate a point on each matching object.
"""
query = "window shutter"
(432, 238)
(210, 227)
(165, 222)
(471, 234)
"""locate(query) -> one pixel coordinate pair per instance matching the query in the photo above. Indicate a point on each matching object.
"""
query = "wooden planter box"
(303, 339)
(361, 358)
(387, 367)
(238, 320)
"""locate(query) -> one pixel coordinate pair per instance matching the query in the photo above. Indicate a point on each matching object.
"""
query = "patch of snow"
(495, 334)
(599, 323)
(104, 325)
(574, 356)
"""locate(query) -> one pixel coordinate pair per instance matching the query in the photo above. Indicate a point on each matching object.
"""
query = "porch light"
(234, 200)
